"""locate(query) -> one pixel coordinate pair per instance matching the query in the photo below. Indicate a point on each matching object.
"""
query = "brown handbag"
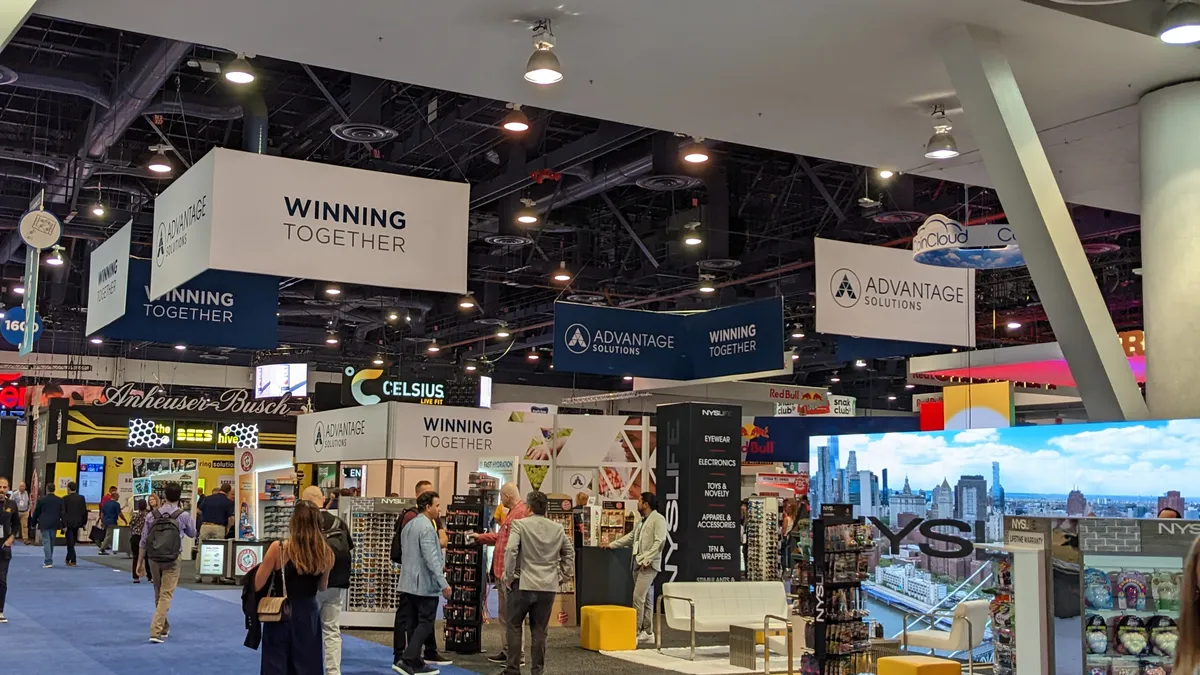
(273, 608)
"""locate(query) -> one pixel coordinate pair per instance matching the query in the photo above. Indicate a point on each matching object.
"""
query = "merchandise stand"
(841, 544)
(560, 510)
(374, 593)
(466, 575)
(615, 522)
(762, 539)
(276, 504)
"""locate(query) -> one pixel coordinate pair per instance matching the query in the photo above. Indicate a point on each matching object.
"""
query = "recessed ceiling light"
(1181, 26)
(954, 350)
(180, 347)
(694, 151)
(543, 66)
(239, 71)
(1013, 325)
(516, 121)
(96, 340)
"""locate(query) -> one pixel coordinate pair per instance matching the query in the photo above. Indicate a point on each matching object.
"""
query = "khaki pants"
(23, 535)
(330, 603)
(643, 602)
(166, 578)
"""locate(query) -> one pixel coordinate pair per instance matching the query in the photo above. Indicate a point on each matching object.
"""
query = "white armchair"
(968, 621)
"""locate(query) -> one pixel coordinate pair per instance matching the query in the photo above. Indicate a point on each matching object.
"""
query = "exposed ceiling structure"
(83, 104)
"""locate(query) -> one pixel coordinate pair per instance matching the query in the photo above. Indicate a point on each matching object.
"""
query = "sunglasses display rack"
(841, 546)
(762, 540)
(374, 592)
(278, 501)
(466, 574)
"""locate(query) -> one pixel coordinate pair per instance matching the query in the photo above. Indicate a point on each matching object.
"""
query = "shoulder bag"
(273, 608)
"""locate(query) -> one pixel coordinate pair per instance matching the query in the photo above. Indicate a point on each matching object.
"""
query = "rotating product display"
(374, 592)
(466, 574)
(762, 540)
(277, 501)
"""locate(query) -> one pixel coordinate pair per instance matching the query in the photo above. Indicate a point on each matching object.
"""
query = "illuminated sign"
(154, 434)
(195, 435)
(369, 386)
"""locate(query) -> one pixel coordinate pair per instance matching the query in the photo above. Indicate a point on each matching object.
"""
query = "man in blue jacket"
(422, 580)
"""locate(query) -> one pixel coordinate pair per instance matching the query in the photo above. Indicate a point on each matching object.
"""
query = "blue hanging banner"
(612, 341)
(217, 309)
(13, 326)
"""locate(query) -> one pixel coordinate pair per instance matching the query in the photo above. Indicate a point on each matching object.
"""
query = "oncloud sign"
(947, 243)
(247, 212)
(879, 292)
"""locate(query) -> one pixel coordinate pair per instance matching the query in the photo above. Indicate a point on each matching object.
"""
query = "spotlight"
(19, 289)
(407, 318)
(533, 356)
(561, 274)
(332, 339)
(1181, 26)
(795, 357)
(333, 289)
(886, 173)
(502, 333)
(1014, 325)
(159, 162)
(891, 397)
(910, 386)
(834, 378)
(515, 121)
(526, 215)
(470, 368)
(378, 360)
(941, 144)
(706, 284)
(691, 235)
(55, 258)
(954, 350)
(797, 334)
(543, 67)
(96, 340)
(466, 302)
(551, 366)
(628, 378)
(97, 209)
(860, 364)
(239, 71)
(180, 347)
(393, 316)
(694, 151)
(433, 347)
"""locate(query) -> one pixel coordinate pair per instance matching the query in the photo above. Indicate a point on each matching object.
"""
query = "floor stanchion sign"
(40, 230)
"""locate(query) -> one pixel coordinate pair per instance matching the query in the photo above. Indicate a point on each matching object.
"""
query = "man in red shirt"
(510, 496)
(110, 495)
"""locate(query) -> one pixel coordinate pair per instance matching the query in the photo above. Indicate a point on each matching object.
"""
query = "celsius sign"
(369, 386)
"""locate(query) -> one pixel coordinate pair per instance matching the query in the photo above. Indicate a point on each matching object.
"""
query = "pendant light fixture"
(502, 332)
(691, 234)
(333, 290)
(694, 151)
(515, 121)
(941, 144)
(1181, 25)
(466, 302)
(562, 274)
(98, 209)
(543, 67)
(378, 360)
(55, 258)
(706, 284)
(239, 71)
(470, 367)
(96, 340)
(526, 215)
(159, 162)
(433, 347)
(533, 355)
(181, 347)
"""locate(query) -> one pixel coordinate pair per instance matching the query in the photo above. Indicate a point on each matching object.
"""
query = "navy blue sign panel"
(218, 309)
(611, 341)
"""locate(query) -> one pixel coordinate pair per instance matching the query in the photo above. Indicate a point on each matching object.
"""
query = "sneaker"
(71, 564)
(426, 670)
(403, 668)
(438, 660)
(103, 552)
(2, 619)
(165, 635)
(47, 566)
(498, 658)
(646, 637)
(156, 640)
(137, 581)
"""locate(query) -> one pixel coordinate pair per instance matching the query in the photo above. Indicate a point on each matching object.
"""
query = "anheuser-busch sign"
(236, 401)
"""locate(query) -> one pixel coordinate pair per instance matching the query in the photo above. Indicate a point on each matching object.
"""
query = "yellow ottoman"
(609, 628)
(917, 665)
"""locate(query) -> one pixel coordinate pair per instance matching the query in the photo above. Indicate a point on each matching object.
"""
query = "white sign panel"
(247, 212)
(347, 434)
(879, 292)
(108, 280)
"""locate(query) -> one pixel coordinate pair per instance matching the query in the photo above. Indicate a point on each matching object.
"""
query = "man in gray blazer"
(647, 541)
(538, 558)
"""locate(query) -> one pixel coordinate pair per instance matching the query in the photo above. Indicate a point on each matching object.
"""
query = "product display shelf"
(1131, 613)
(374, 593)
(1003, 616)
(186, 480)
(762, 540)
(465, 573)
(560, 510)
(612, 524)
(841, 545)
(277, 501)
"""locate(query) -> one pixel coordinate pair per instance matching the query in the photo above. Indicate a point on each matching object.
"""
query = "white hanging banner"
(246, 212)
(108, 280)
(879, 292)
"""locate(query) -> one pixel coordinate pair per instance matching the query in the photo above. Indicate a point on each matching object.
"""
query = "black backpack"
(165, 540)
(397, 547)
(338, 540)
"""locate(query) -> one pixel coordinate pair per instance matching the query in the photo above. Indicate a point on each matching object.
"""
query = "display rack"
(841, 546)
(277, 502)
(613, 522)
(1003, 616)
(157, 483)
(374, 593)
(560, 510)
(465, 573)
(762, 540)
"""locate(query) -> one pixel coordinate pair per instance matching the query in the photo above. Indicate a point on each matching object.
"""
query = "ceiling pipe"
(29, 77)
(189, 105)
(254, 123)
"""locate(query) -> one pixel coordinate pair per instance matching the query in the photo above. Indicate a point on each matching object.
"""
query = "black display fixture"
(466, 575)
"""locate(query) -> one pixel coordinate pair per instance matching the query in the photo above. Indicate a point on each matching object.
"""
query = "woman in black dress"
(137, 522)
(299, 568)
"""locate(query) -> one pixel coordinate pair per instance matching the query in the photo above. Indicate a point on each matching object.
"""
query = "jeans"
(419, 613)
(537, 605)
(72, 537)
(4, 560)
(48, 546)
(643, 581)
(503, 618)
(166, 578)
(330, 602)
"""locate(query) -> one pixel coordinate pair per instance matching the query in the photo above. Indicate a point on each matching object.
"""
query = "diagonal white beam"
(1025, 183)
(13, 14)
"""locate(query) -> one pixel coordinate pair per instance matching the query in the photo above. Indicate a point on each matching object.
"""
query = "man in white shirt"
(23, 502)
(647, 541)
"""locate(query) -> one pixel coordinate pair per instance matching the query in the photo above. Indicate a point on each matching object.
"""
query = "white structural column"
(12, 16)
(1017, 164)
(1170, 154)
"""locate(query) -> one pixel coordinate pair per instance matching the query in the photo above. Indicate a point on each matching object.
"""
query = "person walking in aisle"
(110, 515)
(297, 569)
(9, 522)
(162, 542)
(422, 580)
(399, 639)
(139, 563)
(217, 515)
(515, 509)
(647, 541)
(329, 600)
(75, 516)
(48, 517)
(538, 559)
(136, 522)
(23, 504)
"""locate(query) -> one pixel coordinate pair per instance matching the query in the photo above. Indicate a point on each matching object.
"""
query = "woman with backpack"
(296, 569)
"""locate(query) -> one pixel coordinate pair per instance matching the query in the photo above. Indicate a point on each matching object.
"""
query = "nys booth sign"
(878, 292)
(246, 212)
(611, 341)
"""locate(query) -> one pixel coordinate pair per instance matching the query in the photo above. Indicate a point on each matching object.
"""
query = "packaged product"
(1096, 589)
(1131, 590)
(1165, 586)
(1131, 636)
(1095, 634)
(1164, 635)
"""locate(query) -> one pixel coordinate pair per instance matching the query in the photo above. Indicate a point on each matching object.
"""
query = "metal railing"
(928, 616)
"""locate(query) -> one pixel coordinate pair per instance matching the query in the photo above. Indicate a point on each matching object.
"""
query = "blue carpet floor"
(91, 620)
